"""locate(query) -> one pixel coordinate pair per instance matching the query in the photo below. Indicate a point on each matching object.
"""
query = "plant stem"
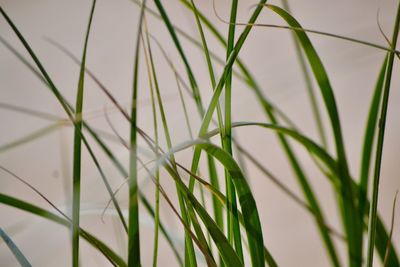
(379, 147)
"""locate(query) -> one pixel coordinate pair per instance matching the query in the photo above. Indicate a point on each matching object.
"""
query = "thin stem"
(379, 148)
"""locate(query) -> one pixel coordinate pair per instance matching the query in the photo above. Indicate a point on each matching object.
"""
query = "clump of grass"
(229, 241)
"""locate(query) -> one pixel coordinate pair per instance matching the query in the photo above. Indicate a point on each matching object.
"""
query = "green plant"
(238, 237)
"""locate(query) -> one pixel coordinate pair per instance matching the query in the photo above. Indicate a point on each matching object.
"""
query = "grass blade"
(45, 78)
(133, 234)
(193, 83)
(309, 86)
(14, 249)
(233, 226)
(270, 111)
(246, 200)
(157, 175)
(369, 140)
(189, 248)
(211, 164)
(28, 207)
(247, 203)
(351, 219)
(379, 148)
(76, 188)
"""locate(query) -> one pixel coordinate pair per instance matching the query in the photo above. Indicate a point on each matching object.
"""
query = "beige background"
(289, 231)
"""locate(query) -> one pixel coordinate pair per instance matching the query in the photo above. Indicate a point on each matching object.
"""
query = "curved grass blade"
(109, 153)
(223, 200)
(379, 147)
(246, 200)
(337, 36)
(225, 249)
(69, 109)
(22, 260)
(381, 233)
(270, 111)
(96, 243)
(45, 78)
(204, 250)
(315, 149)
(352, 221)
(76, 188)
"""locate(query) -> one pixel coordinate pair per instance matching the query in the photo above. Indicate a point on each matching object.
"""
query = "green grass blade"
(309, 144)
(193, 83)
(163, 230)
(96, 243)
(370, 130)
(22, 260)
(222, 199)
(246, 200)
(270, 111)
(43, 72)
(211, 164)
(309, 86)
(157, 176)
(76, 188)
(214, 102)
(233, 226)
(217, 92)
(69, 110)
(247, 203)
(382, 234)
(191, 77)
(171, 30)
(351, 219)
(225, 249)
(245, 76)
(203, 202)
(189, 248)
(133, 233)
(369, 139)
(379, 148)
(175, 175)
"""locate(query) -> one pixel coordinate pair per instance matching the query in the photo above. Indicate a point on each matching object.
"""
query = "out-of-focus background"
(289, 230)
